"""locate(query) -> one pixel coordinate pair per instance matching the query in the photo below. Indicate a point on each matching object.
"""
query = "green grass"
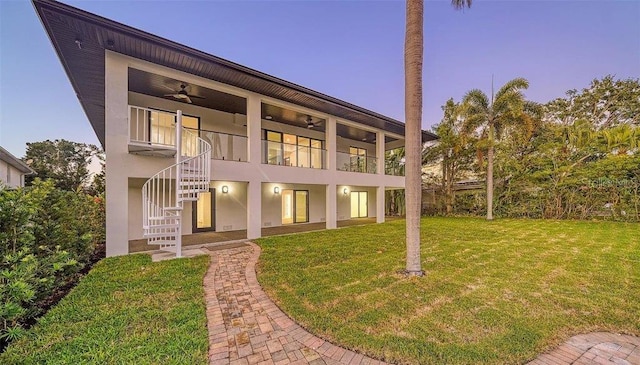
(494, 292)
(127, 310)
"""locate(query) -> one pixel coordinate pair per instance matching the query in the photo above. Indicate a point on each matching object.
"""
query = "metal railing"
(394, 167)
(225, 146)
(285, 154)
(355, 163)
(154, 127)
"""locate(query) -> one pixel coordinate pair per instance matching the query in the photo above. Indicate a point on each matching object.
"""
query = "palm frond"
(461, 4)
(476, 98)
(516, 84)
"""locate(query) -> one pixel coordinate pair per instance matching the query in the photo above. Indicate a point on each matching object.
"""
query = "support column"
(254, 210)
(331, 206)
(380, 149)
(331, 143)
(380, 204)
(254, 190)
(116, 150)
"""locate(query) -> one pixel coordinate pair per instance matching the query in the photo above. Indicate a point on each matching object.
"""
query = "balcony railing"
(151, 127)
(277, 153)
(395, 168)
(156, 130)
(225, 146)
(355, 163)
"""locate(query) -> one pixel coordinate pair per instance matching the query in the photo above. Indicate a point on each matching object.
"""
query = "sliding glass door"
(295, 206)
(359, 204)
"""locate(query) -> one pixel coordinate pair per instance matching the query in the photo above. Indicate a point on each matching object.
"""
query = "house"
(252, 151)
(12, 170)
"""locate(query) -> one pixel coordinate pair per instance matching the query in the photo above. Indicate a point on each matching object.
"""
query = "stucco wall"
(10, 176)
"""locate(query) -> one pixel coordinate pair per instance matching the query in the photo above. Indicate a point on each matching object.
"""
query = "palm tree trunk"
(490, 175)
(413, 49)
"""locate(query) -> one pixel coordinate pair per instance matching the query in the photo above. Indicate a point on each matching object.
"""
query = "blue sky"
(352, 50)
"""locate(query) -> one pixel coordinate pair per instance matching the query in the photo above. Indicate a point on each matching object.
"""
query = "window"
(292, 150)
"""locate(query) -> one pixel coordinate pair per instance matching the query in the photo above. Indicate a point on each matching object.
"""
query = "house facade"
(277, 154)
(12, 170)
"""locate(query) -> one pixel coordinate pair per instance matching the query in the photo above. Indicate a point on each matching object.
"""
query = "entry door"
(295, 206)
(204, 212)
(359, 204)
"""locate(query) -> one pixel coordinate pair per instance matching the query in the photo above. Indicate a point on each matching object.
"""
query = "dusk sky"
(350, 50)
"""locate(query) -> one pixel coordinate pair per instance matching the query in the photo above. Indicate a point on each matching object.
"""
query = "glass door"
(359, 204)
(295, 206)
(302, 206)
(204, 212)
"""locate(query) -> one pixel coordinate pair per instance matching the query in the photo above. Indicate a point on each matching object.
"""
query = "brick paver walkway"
(246, 327)
(594, 349)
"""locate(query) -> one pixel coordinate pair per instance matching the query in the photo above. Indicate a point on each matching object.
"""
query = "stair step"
(172, 208)
(189, 191)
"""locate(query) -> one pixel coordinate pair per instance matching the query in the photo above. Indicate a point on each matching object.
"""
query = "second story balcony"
(356, 163)
(296, 155)
(153, 132)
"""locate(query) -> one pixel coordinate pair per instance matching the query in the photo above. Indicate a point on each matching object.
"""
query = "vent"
(227, 228)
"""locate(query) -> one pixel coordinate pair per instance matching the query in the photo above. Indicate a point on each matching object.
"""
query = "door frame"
(194, 214)
(358, 193)
(294, 203)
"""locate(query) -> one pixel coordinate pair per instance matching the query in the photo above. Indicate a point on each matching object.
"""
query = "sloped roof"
(67, 26)
(12, 160)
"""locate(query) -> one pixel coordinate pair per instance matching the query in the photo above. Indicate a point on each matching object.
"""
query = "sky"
(352, 50)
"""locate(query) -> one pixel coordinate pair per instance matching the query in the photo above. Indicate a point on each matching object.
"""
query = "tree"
(453, 151)
(605, 103)
(413, 55)
(490, 117)
(63, 161)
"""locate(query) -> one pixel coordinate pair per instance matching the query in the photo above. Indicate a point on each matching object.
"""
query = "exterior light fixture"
(225, 189)
(345, 191)
(276, 190)
(268, 117)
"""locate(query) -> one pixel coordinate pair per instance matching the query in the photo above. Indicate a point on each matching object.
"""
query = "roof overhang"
(12, 160)
(81, 38)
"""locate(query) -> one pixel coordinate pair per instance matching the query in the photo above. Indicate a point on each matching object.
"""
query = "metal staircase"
(164, 194)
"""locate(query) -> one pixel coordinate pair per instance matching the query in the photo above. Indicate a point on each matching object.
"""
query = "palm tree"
(413, 53)
(490, 117)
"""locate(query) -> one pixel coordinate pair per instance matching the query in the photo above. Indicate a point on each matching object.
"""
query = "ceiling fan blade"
(196, 97)
(169, 87)
(188, 99)
(172, 95)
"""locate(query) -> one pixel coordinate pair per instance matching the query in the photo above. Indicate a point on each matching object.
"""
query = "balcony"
(225, 146)
(394, 167)
(285, 154)
(355, 163)
(153, 133)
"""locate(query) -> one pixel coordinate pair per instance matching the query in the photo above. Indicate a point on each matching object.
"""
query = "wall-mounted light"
(276, 190)
(345, 191)
(225, 189)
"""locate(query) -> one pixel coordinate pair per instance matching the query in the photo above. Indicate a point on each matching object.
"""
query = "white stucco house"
(12, 170)
(256, 151)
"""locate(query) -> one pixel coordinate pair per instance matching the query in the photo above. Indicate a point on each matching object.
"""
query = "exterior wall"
(10, 176)
(250, 203)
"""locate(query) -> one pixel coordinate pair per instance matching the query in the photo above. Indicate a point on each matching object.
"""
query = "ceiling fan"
(310, 123)
(183, 95)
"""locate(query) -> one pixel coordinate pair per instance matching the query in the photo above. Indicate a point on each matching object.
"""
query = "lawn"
(494, 292)
(127, 310)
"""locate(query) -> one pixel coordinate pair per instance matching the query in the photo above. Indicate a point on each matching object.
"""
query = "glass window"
(290, 150)
(316, 154)
(274, 148)
(304, 154)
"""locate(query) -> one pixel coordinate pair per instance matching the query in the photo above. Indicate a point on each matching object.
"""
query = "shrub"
(46, 236)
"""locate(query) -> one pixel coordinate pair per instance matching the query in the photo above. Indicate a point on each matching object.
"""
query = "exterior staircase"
(164, 194)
